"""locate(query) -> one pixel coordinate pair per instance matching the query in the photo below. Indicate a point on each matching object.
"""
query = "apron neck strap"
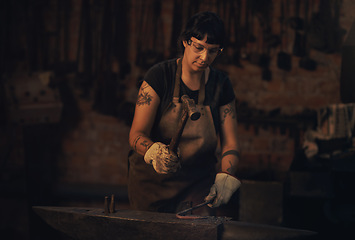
(201, 93)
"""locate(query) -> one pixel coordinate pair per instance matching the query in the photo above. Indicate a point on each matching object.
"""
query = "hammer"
(189, 111)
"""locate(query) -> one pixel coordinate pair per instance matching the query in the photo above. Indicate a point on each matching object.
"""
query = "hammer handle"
(176, 139)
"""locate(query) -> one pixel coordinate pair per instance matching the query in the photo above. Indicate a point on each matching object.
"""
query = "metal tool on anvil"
(182, 215)
(190, 111)
(109, 208)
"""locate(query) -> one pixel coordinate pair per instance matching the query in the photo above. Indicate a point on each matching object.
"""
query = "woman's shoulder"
(160, 70)
(163, 66)
(219, 87)
(160, 76)
(218, 74)
(218, 77)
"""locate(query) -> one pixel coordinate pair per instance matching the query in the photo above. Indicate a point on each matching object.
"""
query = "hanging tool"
(306, 62)
(182, 213)
(189, 112)
(298, 25)
(284, 60)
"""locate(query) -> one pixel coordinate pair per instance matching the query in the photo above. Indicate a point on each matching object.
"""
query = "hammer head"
(190, 106)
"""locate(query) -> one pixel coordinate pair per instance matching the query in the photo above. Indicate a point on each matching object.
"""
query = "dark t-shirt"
(218, 89)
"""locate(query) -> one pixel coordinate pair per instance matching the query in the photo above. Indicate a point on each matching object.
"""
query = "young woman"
(159, 179)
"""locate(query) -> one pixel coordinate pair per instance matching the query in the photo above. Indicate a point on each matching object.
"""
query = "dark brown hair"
(202, 24)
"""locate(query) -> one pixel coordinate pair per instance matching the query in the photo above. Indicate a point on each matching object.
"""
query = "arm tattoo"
(145, 143)
(231, 152)
(231, 169)
(135, 142)
(228, 111)
(144, 98)
(144, 85)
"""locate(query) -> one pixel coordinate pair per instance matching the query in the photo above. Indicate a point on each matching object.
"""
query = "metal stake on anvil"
(112, 204)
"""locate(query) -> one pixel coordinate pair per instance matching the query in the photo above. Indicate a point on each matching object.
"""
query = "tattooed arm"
(225, 185)
(144, 116)
(229, 143)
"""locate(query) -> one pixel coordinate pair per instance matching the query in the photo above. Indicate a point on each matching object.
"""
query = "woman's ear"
(184, 42)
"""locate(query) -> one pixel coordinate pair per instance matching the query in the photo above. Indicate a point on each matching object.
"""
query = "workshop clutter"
(336, 120)
(32, 99)
(334, 130)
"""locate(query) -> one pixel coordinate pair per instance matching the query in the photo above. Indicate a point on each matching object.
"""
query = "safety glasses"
(200, 49)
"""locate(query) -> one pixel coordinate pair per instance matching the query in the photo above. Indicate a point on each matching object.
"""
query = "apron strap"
(177, 82)
(201, 93)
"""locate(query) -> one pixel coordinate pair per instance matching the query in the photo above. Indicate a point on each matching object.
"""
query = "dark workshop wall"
(282, 60)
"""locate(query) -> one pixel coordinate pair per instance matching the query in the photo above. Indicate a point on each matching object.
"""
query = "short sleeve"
(228, 92)
(155, 78)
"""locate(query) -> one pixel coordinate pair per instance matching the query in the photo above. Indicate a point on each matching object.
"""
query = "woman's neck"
(190, 77)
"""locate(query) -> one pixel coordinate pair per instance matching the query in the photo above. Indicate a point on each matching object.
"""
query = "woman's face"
(199, 54)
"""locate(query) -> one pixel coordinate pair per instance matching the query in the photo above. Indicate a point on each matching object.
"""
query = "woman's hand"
(222, 189)
(163, 160)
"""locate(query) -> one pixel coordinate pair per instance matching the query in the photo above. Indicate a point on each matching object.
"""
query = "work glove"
(163, 160)
(223, 188)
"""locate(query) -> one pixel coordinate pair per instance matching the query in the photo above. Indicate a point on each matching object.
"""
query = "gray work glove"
(223, 188)
(163, 160)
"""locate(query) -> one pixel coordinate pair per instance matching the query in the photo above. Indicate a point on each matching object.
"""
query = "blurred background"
(70, 71)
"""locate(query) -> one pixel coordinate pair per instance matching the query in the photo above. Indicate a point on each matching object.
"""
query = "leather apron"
(151, 191)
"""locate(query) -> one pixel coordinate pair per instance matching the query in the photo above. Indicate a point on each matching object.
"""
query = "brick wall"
(96, 151)
(265, 151)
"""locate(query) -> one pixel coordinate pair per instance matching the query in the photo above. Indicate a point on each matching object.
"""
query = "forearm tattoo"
(145, 144)
(228, 111)
(231, 152)
(135, 142)
(143, 96)
(231, 168)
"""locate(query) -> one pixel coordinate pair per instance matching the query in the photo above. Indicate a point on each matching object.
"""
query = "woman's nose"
(204, 55)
